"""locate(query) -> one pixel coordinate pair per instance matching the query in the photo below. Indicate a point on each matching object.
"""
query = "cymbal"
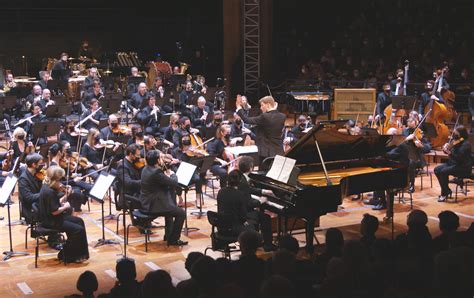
(108, 71)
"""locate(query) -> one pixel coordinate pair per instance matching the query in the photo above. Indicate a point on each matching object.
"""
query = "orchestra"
(145, 157)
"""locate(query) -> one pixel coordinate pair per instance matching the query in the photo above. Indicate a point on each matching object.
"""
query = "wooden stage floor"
(52, 279)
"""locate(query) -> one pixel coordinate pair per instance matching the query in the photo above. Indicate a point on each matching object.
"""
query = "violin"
(67, 165)
(106, 144)
(122, 129)
(79, 132)
(453, 143)
(140, 163)
(41, 174)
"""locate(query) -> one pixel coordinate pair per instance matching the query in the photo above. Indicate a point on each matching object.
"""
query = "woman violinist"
(217, 148)
(53, 211)
(21, 147)
(92, 154)
(459, 160)
(80, 189)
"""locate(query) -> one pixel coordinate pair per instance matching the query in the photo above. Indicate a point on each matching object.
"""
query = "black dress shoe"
(411, 189)
(178, 243)
(379, 207)
(372, 201)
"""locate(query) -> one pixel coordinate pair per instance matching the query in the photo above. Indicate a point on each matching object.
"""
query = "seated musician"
(20, 146)
(111, 130)
(184, 153)
(459, 161)
(8, 85)
(45, 77)
(132, 86)
(93, 151)
(169, 131)
(239, 129)
(350, 128)
(35, 96)
(70, 134)
(57, 157)
(38, 117)
(93, 122)
(304, 124)
(421, 147)
(139, 98)
(150, 116)
(185, 99)
(29, 185)
(4, 172)
(157, 197)
(90, 79)
(425, 98)
(46, 100)
(232, 204)
(199, 85)
(217, 147)
(128, 173)
(183, 129)
(95, 92)
(54, 213)
(200, 112)
(384, 99)
(244, 104)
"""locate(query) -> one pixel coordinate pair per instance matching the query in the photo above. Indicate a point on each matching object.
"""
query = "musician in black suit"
(184, 129)
(150, 117)
(233, 205)
(94, 92)
(45, 77)
(28, 185)
(459, 162)
(129, 175)
(91, 79)
(157, 197)
(200, 113)
(185, 99)
(111, 130)
(61, 70)
(383, 100)
(269, 127)
(137, 99)
(94, 121)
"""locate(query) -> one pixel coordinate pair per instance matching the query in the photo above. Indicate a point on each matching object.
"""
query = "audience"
(413, 265)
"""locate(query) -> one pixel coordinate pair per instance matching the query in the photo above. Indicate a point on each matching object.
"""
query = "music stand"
(7, 102)
(403, 102)
(45, 129)
(5, 193)
(112, 95)
(185, 173)
(176, 79)
(110, 106)
(209, 132)
(98, 192)
(44, 148)
(55, 85)
(165, 119)
(58, 111)
(59, 99)
(204, 164)
(136, 80)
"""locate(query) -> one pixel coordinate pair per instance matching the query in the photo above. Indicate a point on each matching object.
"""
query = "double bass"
(437, 114)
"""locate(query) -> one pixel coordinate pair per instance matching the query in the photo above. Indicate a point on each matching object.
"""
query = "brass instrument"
(183, 67)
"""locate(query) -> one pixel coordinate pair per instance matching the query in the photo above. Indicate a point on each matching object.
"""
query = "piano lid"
(336, 146)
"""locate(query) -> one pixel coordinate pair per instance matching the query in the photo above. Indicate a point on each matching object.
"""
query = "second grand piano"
(353, 165)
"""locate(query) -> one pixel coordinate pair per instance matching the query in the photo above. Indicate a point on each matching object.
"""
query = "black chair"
(222, 235)
(138, 219)
(39, 232)
(462, 183)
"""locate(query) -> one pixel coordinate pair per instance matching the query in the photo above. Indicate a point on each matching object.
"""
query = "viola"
(140, 163)
(122, 129)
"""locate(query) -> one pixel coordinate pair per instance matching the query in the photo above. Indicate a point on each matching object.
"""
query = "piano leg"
(310, 235)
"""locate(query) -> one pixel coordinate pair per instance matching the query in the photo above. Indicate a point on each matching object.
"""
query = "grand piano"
(354, 164)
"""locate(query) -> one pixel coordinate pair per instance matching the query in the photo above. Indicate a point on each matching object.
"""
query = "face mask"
(71, 129)
(187, 127)
(238, 122)
(114, 125)
(97, 139)
(456, 137)
(227, 138)
(302, 125)
(186, 142)
(39, 168)
(68, 151)
(217, 121)
(21, 137)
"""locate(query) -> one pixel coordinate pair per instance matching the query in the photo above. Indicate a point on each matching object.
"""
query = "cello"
(448, 96)
(437, 113)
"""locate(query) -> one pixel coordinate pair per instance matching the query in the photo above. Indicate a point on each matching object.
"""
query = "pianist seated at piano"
(233, 205)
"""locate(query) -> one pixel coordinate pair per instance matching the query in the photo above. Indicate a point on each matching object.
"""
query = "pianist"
(233, 204)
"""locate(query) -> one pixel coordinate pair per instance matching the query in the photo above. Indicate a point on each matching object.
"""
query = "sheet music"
(7, 188)
(185, 173)
(281, 168)
(101, 186)
(237, 150)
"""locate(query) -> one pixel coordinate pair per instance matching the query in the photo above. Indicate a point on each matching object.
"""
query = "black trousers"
(443, 171)
(174, 221)
(263, 221)
(76, 246)
(221, 172)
